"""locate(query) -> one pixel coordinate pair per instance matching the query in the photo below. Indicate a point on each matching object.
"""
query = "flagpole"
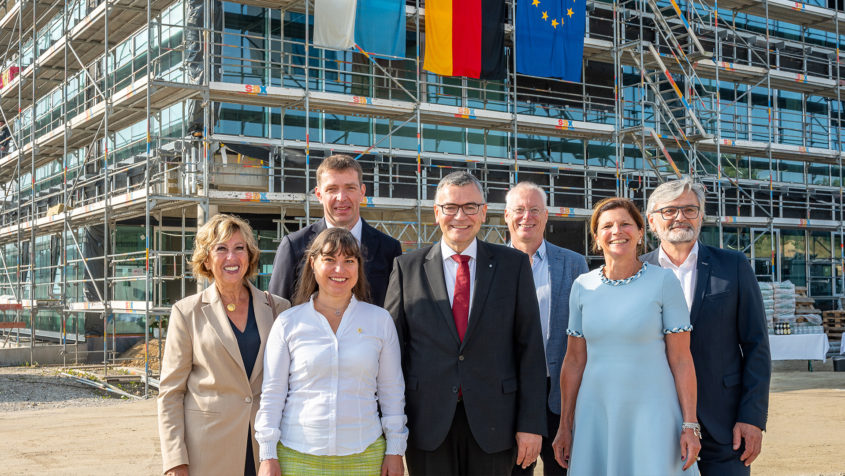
(419, 129)
(307, 122)
(513, 55)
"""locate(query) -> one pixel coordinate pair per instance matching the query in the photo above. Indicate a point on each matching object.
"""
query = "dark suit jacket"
(379, 251)
(564, 266)
(730, 342)
(498, 366)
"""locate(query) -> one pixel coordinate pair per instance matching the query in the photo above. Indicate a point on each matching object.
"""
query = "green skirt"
(367, 463)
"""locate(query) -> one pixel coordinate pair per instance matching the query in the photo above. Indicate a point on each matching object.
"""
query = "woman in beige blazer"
(212, 368)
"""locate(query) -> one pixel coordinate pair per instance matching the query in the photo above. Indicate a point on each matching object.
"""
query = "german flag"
(465, 38)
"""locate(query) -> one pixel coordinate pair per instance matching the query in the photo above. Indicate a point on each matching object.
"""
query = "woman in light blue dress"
(628, 381)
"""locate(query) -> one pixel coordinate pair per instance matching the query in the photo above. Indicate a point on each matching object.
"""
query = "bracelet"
(695, 427)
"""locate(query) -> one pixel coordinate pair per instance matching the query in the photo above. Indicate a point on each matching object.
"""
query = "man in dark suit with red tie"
(472, 352)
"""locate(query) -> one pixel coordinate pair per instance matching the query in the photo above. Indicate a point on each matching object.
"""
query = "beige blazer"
(206, 403)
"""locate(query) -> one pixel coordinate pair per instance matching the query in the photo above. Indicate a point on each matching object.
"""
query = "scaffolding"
(131, 121)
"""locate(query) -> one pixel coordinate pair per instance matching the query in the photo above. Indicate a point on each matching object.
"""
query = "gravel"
(26, 388)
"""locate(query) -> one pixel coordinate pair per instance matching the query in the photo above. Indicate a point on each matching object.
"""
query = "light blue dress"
(627, 415)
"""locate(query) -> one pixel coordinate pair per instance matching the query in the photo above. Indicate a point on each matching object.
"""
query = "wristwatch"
(695, 427)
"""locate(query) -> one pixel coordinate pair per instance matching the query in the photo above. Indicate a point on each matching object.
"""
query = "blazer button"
(248, 400)
(454, 389)
(461, 357)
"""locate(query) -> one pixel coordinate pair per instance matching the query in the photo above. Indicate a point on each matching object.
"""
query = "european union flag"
(550, 38)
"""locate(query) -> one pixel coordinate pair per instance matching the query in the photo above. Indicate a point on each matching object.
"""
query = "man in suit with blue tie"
(729, 342)
(554, 269)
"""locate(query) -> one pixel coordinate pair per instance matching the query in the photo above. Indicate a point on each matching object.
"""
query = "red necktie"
(460, 302)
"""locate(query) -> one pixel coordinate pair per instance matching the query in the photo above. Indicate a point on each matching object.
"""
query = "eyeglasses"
(452, 208)
(668, 213)
(534, 212)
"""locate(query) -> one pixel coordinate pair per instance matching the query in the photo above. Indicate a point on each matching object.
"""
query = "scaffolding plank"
(125, 17)
(9, 21)
(347, 104)
(127, 109)
(124, 307)
(763, 222)
(554, 127)
(778, 151)
(256, 95)
(465, 117)
(116, 203)
(791, 12)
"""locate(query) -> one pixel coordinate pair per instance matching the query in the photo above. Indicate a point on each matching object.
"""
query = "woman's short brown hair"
(218, 229)
(613, 203)
(329, 242)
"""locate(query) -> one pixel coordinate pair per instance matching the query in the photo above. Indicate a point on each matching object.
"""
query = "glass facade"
(768, 147)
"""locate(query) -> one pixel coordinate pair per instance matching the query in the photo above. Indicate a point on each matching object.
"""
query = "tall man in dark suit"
(472, 352)
(730, 342)
(554, 270)
(340, 189)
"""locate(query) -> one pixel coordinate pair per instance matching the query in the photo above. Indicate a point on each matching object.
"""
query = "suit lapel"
(318, 227)
(485, 268)
(702, 278)
(214, 312)
(556, 278)
(264, 321)
(651, 258)
(369, 241)
(437, 283)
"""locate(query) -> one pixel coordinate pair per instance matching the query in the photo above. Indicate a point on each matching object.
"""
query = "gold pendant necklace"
(231, 307)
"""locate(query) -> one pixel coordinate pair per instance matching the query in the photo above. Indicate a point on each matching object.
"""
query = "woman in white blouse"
(331, 363)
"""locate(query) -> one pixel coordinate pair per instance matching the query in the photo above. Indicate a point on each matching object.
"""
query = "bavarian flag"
(376, 26)
(550, 38)
(465, 38)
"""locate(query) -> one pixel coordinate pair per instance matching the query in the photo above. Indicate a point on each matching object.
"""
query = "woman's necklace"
(337, 311)
(232, 306)
(620, 282)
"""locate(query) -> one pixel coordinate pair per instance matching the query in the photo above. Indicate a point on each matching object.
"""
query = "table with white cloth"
(799, 347)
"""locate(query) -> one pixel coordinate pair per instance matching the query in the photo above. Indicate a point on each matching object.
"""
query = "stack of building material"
(778, 302)
(805, 307)
(834, 324)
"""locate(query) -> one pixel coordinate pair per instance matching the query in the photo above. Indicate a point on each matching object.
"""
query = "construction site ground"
(54, 425)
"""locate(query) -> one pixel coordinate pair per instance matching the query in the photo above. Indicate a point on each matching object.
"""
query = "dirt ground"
(806, 434)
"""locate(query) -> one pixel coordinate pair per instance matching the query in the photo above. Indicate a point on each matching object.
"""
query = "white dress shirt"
(686, 272)
(450, 270)
(356, 230)
(542, 283)
(322, 391)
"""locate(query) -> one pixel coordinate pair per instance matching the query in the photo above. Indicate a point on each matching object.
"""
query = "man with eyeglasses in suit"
(554, 270)
(472, 353)
(729, 341)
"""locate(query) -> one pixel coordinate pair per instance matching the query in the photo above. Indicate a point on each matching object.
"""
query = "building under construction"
(127, 122)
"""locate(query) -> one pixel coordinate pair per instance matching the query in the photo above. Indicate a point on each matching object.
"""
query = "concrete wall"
(42, 354)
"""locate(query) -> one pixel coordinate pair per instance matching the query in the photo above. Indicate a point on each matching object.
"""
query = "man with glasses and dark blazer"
(554, 270)
(729, 342)
(472, 351)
